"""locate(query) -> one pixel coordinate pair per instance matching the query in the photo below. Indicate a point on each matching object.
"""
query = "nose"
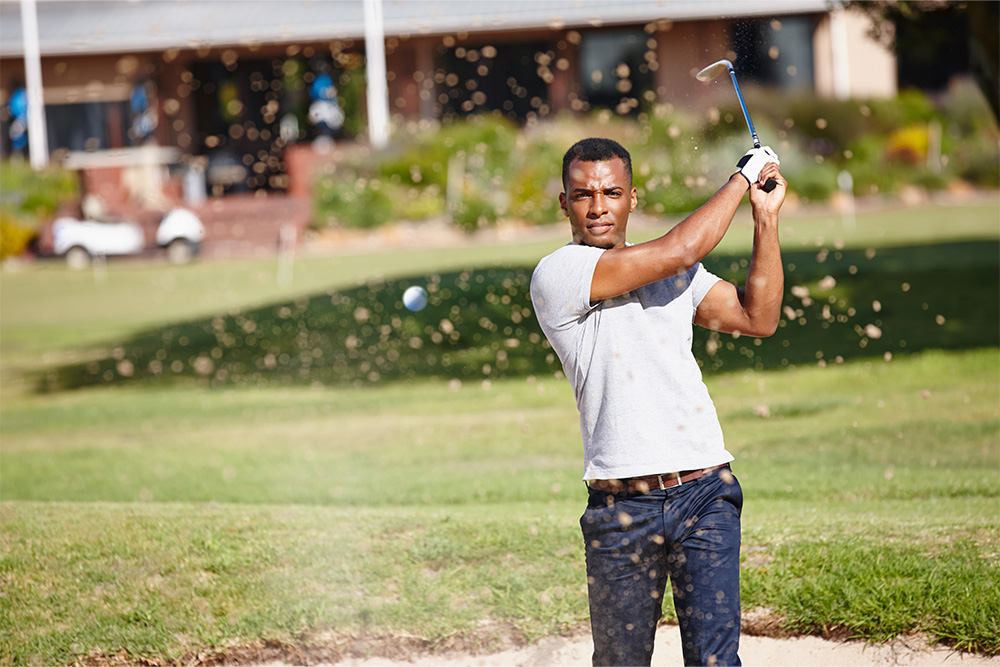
(598, 206)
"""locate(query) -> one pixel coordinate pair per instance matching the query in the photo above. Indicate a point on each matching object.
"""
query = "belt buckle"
(663, 487)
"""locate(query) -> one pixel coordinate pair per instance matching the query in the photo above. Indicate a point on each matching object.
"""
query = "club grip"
(769, 185)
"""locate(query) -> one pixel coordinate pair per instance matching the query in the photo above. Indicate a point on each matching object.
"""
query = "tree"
(935, 40)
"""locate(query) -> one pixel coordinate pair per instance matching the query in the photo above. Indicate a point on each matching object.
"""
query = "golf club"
(714, 70)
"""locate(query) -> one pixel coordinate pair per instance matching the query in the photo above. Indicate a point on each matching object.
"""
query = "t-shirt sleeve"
(560, 285)
(703, 281)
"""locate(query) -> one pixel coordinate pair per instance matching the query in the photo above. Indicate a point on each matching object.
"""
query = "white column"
(38, 139)
(378, 89)
(841, 54)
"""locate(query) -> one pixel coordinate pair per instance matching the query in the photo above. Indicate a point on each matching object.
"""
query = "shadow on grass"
(479, 324)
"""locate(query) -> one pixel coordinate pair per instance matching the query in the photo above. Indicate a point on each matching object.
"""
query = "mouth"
(599, 228)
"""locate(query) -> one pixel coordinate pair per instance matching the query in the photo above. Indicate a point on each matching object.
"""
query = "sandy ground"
(762, 651)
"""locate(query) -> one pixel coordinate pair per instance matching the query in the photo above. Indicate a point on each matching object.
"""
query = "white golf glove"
(754, 160)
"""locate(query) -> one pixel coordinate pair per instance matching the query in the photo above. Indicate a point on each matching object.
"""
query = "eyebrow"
(589, 190)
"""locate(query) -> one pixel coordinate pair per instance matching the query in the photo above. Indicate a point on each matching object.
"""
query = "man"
(663, 502)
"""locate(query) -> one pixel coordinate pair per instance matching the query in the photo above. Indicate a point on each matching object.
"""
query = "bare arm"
(756, 310)
(621, 270)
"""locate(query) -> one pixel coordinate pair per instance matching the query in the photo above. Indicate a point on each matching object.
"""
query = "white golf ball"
(415, 298)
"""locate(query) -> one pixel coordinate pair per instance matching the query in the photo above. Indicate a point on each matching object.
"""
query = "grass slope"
(161, 523)
(480, 324)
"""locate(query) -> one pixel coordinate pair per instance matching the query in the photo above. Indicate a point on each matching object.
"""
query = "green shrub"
(534, 190)
(489, 176)
(475, 210)
(679, 159)
(866, 148)
(33, 195)
(350, 96)
(535, 177)
(815, 182)
(27, 197)
(871, 178)
(827, 123)
(672, 199)
(980, 166)
(931, 180)
(423, 158)
(419, 203)
(354, 202)
(909, 107)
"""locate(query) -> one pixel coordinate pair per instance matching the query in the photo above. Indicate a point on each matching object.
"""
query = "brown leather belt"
(650, 482)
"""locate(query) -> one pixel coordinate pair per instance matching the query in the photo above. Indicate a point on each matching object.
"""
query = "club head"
(714, 70)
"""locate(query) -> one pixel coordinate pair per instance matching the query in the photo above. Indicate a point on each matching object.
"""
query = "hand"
(753, 161)
(766, 202)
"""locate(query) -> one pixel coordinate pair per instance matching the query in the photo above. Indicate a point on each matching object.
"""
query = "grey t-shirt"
(644, 409)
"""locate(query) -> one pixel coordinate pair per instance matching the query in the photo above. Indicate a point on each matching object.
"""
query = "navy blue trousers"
(689, 534)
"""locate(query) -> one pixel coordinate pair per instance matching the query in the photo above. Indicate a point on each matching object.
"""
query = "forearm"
(755, 310)
(761, 299)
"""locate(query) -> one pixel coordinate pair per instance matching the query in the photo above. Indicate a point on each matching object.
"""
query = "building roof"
(133, 26)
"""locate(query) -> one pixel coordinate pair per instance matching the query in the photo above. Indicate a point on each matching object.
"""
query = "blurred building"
(228, 90)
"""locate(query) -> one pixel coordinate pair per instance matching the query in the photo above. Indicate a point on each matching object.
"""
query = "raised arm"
(753, 311)
(623, 269)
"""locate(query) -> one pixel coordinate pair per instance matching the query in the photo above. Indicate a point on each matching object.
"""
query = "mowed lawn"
(161, 521)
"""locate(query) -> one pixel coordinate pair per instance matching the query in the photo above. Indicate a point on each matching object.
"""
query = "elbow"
(768, 331)
(758, 328)
(755, 332)
(761, 319)
(768, 328)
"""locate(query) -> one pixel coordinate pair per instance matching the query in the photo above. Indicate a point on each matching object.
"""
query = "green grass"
(157, 520)
(163, 522)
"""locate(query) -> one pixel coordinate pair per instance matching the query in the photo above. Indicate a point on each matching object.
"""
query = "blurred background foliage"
(485, 168)
(28, 197)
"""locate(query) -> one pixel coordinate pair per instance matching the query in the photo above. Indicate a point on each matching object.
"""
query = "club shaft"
(743, 105)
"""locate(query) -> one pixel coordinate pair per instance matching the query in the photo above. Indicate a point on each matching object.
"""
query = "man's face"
(597, 201)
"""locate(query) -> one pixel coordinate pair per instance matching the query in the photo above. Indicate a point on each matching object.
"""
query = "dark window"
(88, 126)
(486, 77)
(614, 70)
(238, 111)
(775, 52)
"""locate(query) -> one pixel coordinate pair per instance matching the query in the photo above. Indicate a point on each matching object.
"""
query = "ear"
(634, 200)
(562, 204)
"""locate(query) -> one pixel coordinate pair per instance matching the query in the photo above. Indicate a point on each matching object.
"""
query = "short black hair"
(596, 150)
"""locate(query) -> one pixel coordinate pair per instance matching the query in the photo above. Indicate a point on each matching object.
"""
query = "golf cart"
(125, 192)
(180, 232)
